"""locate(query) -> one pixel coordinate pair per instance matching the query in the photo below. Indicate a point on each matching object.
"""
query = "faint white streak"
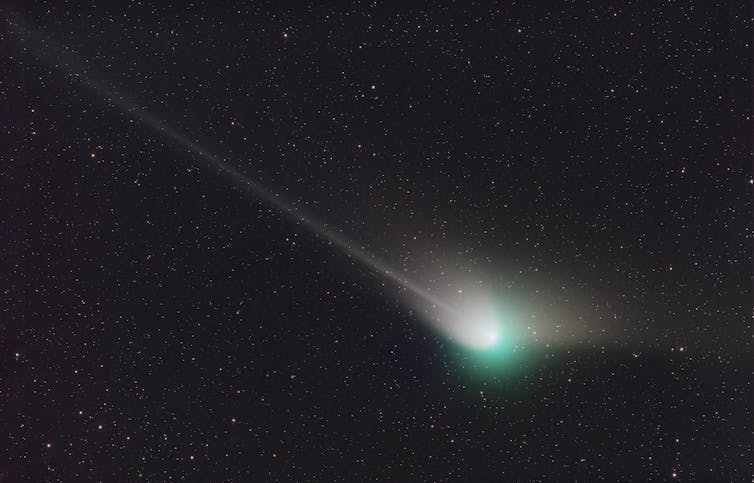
(439, 313)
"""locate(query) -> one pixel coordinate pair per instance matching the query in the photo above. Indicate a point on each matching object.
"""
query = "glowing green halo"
(487, 334)
(504, 351)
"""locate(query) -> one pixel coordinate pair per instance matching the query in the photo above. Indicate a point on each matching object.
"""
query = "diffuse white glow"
(471, 320)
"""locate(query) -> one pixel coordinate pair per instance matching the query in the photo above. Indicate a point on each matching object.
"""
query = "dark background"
(159, 324)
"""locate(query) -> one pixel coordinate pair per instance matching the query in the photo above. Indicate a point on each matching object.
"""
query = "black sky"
(591, 158)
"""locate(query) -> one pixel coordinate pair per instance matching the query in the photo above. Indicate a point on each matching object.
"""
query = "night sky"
(228, 234)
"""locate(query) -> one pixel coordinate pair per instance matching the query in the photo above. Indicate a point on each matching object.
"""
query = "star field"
(585, 166)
